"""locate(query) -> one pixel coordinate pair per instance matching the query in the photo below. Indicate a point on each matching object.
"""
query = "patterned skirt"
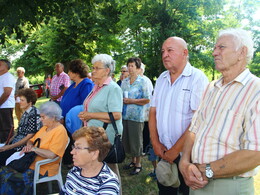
(14, 183)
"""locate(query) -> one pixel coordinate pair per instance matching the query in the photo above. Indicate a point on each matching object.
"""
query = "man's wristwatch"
(209, 173)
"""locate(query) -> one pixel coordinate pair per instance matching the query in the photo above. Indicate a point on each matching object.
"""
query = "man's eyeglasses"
(96, 68)
(124, 71)
(79, 148)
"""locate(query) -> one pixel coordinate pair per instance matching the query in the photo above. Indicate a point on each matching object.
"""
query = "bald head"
(177, 40)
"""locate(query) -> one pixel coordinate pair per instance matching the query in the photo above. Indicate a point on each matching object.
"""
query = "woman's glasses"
(77, 148)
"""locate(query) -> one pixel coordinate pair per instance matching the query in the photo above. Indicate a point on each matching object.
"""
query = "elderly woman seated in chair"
(90, 175)
(53, 142)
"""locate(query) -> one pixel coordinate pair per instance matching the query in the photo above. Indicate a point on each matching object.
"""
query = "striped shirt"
(228, 119)
(106, 182)
(176, 102)
(57, 82)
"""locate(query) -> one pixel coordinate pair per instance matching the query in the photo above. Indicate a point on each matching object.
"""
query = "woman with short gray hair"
(105, 97)
(52, 110)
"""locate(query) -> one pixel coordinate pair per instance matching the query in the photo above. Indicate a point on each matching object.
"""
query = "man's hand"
(192, 176)
(170, 155)
(159, 149)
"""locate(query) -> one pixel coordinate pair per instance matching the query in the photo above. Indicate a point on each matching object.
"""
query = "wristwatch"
(209, 173)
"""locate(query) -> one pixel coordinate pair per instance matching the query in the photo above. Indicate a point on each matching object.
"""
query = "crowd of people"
(205, 132)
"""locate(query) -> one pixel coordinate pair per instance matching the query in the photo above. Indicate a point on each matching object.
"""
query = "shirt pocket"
(230, 128)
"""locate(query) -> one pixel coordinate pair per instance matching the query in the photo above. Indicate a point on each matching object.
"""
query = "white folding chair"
(57, 177)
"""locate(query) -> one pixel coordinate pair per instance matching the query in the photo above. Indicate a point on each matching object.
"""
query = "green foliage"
(52, 31)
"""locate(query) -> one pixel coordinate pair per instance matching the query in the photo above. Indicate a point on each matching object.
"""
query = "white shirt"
(176, 102)
(7, 80)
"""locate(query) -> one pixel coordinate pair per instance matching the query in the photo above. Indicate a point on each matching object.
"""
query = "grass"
(139, 184)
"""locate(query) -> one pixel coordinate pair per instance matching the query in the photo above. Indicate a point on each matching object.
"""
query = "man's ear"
(243, 53)
(185, 52)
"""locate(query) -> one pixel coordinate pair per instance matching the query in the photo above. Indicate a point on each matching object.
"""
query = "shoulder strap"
(112, 119)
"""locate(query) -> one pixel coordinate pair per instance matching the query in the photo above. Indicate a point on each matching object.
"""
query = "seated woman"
(53, 143)
(90, 175)
(29, 124)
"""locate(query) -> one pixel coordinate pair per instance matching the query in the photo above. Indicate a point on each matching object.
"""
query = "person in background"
(113, 77)
(29, 124)
(89, 76)
(47, 85)
(222, 149)
(7, 100)
(136, 95)
(124, 74)
(147, 146)
(105, 97)
(146, 134)
(75, 95)
(176, 97)
(60, 82)
(21, 82)
(53, 143)
(89, 150)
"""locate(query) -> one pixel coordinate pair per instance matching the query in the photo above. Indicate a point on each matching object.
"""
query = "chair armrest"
(38, 164)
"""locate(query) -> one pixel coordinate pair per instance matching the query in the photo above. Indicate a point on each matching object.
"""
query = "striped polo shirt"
(106, 182)
(228, 119)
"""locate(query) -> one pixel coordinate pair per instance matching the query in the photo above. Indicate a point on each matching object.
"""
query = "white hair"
(52, 110)
(21, 69)
(241, 38)
(107, 61)
(124, 67)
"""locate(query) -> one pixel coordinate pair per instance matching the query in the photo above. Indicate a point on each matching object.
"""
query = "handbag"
(23, 164)
(116, 153)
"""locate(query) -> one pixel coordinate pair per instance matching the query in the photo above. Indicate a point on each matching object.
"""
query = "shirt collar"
(28, 110)
(106, 82)
(241, 78)
(186, 72)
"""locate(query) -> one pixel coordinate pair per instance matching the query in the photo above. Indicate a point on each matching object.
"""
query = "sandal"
(136, 171)
(129, 166)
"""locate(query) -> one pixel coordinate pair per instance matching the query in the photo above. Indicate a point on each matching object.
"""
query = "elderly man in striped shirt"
(222, 149)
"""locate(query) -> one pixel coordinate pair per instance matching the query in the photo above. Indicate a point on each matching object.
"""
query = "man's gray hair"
(241, 38)
(107, 61)
(62, 65)
(21, 69)
(52, 110)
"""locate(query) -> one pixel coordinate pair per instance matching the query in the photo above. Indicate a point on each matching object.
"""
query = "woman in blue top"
(75, 95)
(79, 90)
(136, 95)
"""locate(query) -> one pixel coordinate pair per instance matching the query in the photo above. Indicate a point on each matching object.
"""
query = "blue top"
(72, 120)
(75, 96)
(137, 90)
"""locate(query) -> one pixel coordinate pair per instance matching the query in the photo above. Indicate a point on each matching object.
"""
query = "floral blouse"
(136, 90)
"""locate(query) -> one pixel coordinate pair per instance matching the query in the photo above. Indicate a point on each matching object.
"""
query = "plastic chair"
(57, 177)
